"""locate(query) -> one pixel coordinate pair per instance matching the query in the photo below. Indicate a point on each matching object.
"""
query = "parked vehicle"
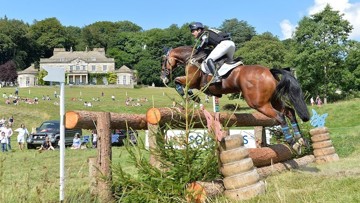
(120, 135)
(52, 130)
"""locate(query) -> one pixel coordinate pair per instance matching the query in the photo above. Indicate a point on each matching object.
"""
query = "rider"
(219, 42)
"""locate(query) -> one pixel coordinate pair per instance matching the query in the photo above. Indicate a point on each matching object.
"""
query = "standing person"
(16, 91)
(3, 142)
(94, 138)
(11, 120)
(312, 102)
(21, 136)
(8, 133)
(318, 101)
(220, 44)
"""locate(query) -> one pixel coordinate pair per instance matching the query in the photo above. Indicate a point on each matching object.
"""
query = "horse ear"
(166, 50)
(287, 69)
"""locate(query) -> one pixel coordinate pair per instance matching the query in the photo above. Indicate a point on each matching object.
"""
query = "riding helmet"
(196, 25)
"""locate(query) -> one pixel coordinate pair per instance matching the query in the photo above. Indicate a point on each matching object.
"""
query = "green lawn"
(30, 176)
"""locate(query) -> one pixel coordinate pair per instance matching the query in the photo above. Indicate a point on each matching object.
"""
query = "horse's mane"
(183, 52)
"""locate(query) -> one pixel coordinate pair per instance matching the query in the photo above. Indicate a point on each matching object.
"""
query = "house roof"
(61, 55)
(124, 69)
(30, 70)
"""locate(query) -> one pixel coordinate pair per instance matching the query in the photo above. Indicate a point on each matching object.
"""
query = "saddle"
(224, 66)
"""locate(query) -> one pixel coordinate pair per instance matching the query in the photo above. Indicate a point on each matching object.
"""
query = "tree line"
(323, 58)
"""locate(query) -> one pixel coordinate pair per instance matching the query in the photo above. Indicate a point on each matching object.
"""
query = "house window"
(104, 67)
(93, 68)
(84, 68)
(71, 68)
(124, 80)
(27, 81)
(77, 67)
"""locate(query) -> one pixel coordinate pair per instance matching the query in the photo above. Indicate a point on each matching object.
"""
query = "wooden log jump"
(87, 120)
(177, 117)
(272, 154)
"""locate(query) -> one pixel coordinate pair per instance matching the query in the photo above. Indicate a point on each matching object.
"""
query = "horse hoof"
(297, 148)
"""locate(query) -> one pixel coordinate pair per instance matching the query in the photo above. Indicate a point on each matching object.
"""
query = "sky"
(280, 17)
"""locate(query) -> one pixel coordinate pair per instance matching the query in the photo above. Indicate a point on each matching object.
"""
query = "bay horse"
(263, 89)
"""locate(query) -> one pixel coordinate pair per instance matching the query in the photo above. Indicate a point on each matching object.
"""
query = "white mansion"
(82, 68)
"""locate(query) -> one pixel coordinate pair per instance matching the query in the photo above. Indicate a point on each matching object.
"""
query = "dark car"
(50, 129)
(119, 136)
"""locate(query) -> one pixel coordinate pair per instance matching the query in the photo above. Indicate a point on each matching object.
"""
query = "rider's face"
(195, 33)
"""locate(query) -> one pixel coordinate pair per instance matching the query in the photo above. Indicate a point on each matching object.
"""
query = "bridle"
(166, 62)
(164, 71)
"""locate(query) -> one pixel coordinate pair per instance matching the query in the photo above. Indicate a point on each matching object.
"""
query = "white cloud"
(287, 29)
(351, 12)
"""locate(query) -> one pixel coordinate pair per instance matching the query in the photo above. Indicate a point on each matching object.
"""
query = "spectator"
(3, 142)
(2, 121)
(312, 102)
(8, 133)
(76, 142)
(46, 145)
(206, 99)
(11, 121)
(16, 91)
(55, 94)
(94, 138)
(318, 101)
(21, 136)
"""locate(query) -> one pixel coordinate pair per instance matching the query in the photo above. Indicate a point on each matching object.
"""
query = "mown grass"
(30, 176)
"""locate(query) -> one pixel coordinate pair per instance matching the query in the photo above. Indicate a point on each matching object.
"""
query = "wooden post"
(152, 130)
(104, 157)
(260, 136)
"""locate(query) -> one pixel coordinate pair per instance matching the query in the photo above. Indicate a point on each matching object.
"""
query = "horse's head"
(172, 59)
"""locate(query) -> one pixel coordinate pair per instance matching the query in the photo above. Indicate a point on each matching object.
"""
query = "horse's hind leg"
(269, 111)
(290, 113)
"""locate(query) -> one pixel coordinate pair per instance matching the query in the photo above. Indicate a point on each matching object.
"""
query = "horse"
(265, 90)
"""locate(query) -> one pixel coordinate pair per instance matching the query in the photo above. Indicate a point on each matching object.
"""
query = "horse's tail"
(288, 85)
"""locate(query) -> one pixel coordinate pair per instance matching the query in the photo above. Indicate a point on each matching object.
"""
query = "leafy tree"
(100, 34)
(8, 72)
(265, 49)
(321, 41)
(240, 31)
(42, 73)
(112, 77)
(352, 64)
(74, 40)
(15, 43)
(149, 72)
(49, 34)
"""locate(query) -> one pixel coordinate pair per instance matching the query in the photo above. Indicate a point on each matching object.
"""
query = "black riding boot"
(212, 69)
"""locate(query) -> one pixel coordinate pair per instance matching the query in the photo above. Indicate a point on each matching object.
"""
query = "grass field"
(30, 176)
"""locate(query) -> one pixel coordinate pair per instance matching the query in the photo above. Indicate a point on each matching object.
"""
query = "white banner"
(197, 136)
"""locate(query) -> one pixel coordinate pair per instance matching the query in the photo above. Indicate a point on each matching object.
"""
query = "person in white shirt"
(8, 133)
(21, 136)
(3, 142)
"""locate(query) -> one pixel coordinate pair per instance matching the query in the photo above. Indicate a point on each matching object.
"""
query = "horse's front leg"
(179, 86)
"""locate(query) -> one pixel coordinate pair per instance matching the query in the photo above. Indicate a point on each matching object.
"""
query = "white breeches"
(225, 47)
